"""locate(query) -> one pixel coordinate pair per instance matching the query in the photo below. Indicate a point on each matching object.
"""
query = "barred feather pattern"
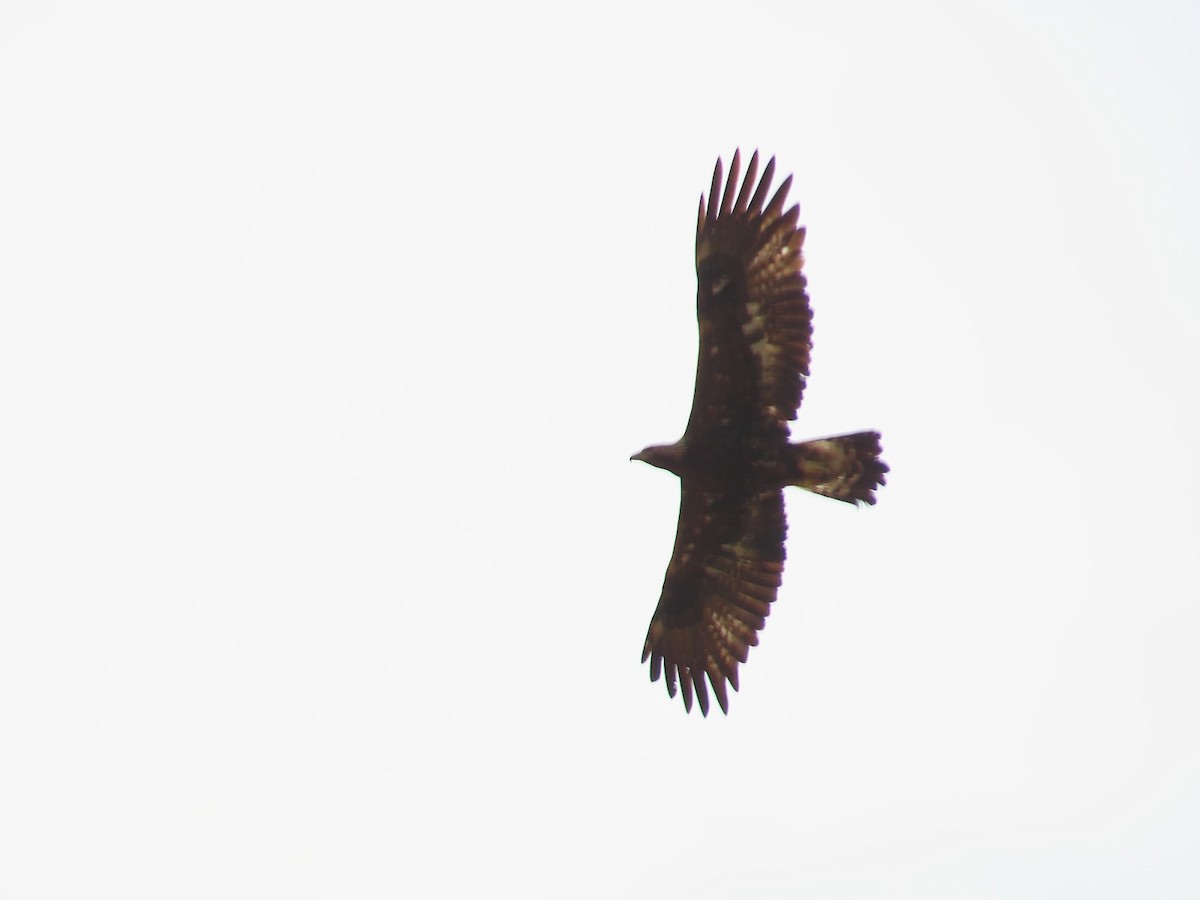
(758, 250)
(846, 467)
(716, 595)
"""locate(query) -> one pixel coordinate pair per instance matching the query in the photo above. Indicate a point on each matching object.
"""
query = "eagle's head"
(663, 456)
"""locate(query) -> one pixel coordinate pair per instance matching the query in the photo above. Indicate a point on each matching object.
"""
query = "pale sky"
(327, 333)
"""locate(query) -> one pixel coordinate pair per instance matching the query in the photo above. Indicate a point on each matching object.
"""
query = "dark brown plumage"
(734, 458)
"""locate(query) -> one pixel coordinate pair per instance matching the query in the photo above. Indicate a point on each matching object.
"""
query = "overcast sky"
(327, 331)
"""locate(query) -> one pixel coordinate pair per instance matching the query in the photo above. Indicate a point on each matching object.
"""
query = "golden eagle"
(734, 458)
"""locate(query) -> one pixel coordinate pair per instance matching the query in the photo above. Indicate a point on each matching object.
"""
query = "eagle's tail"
(845, 467)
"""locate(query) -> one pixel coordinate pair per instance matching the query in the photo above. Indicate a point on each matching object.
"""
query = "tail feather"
(845, 467)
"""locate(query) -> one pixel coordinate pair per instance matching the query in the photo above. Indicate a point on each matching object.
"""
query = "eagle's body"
(735, 458)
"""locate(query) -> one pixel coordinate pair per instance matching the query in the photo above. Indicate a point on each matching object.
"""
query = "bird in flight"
(735, 458)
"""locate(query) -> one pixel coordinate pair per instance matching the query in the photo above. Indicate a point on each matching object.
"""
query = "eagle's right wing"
(723, 576)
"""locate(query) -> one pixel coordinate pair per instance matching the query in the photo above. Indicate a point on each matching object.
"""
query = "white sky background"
(327, 333)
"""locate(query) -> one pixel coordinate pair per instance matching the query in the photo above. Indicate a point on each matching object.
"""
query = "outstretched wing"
(723, 576)
(755, 321)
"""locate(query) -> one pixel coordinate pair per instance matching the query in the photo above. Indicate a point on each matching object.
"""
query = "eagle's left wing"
(723, 576)
(751, 305)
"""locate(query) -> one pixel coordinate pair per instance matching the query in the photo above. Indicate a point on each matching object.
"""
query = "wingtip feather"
(718, 684)
(701, 691)
(713, 202)
(780, 198)
(735, 166)
(764, 185)
(747, 184)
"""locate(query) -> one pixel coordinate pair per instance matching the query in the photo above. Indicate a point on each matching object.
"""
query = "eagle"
(735, 456)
